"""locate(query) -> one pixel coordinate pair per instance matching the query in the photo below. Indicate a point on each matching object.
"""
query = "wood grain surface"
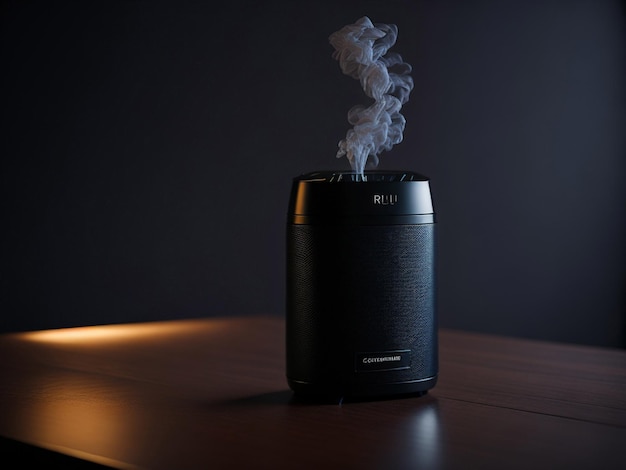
(212, 393)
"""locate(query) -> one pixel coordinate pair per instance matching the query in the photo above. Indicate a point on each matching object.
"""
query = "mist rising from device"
(362, 52)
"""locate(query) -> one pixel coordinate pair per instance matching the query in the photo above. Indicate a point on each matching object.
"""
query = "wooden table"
(212, 394)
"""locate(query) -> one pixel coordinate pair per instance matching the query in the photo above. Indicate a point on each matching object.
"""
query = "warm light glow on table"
(117, 333)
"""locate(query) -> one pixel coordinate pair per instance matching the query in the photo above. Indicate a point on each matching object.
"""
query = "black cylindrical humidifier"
(361, 288)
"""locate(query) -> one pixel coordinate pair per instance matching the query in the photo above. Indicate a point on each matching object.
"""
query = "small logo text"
(382, 360)
(385, 199)
(369, 360)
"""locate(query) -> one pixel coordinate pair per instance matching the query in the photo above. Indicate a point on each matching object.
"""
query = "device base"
(389, 390)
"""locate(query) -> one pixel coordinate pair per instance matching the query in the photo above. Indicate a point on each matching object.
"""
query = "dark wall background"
(148, 150)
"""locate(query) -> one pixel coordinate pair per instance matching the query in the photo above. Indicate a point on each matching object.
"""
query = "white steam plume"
(361, 50)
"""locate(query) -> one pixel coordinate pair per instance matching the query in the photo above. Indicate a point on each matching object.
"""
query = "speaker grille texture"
(360, 289)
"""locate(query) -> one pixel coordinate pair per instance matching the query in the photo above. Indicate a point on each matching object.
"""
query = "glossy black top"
(376, 197)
